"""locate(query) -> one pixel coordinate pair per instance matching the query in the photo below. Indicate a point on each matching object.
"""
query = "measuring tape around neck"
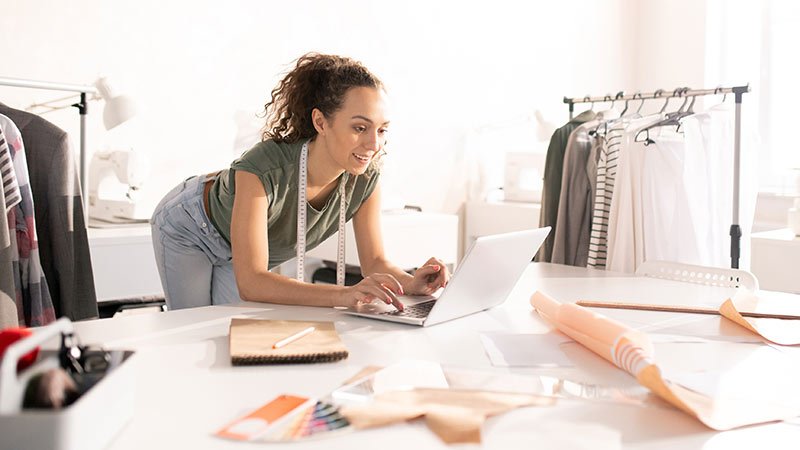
(301, 220)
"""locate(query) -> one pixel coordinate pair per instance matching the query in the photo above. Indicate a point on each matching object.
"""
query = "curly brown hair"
(316, 81)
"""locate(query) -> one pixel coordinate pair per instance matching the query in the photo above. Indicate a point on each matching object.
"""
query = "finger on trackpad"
(375, 307)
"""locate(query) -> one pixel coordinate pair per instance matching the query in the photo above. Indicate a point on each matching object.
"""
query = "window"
(756, 42)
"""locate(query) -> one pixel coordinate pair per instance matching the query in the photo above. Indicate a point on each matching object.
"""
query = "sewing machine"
(114, 180)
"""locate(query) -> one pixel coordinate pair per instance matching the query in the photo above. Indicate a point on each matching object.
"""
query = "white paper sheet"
(762, 372)
(407, 375)
(526, 350)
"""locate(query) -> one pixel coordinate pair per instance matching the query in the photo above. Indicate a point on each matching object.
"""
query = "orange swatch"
(257, 422)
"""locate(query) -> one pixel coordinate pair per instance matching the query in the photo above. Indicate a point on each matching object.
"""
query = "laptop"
(489, 271)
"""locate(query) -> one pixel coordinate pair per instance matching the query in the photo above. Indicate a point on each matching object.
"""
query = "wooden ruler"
(678, 309)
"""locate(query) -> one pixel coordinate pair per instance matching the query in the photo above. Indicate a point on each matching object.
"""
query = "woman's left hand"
(428, 278)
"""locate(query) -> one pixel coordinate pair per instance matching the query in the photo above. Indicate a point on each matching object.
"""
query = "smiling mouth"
(363, 159)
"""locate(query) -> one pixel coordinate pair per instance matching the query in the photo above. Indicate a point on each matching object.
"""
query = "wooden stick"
(678, 309)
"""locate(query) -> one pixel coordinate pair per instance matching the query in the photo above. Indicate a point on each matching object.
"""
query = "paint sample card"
(257, 423)
(321, 419)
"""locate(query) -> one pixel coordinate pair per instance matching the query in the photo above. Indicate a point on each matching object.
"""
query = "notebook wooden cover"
(251, 340)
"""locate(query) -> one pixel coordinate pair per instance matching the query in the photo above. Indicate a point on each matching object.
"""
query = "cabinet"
(497, 216)
(775, 256)
(123, 263)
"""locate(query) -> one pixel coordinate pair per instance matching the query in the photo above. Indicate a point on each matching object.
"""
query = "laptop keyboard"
(418, 311)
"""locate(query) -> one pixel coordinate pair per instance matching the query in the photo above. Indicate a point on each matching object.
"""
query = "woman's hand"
(428, 278)
(378, 286)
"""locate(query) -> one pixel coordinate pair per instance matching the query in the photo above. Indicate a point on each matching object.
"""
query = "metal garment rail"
(83, 110)
(738, 91)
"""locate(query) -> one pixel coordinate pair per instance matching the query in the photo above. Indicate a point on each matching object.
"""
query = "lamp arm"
(52, 105)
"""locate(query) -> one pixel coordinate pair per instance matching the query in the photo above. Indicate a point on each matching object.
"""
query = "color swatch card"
(257, 423)
(318, 420)
(254, 341)
(287, 418)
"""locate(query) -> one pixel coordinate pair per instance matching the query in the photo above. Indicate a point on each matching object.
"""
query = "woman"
(217, 236)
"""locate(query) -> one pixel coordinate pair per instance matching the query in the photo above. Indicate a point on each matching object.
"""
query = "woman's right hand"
(376, 287)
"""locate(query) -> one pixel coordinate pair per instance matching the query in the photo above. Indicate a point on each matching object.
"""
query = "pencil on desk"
(292, 338)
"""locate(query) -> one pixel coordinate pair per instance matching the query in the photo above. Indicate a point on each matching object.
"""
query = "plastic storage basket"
(89, 423)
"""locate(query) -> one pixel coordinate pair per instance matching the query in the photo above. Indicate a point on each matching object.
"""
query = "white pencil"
(294, 337)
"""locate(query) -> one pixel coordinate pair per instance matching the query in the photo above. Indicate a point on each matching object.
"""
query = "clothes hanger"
(639, 110)
(659, 93)
(606, 98)
(620, 94)
(672, 119)
(724, 94)
(680, 92)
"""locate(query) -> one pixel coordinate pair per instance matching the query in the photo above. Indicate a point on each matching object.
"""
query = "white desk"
(187, 388)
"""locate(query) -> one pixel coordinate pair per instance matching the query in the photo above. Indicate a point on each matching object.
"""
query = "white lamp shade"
(118, 110)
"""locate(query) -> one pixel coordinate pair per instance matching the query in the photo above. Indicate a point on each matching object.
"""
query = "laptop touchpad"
(375, 307)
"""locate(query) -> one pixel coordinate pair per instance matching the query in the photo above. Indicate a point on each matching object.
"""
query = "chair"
(709, 276)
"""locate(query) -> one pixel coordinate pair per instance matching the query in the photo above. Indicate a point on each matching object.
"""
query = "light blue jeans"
(194, 260)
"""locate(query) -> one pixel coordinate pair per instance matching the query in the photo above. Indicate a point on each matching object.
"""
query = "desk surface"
(187, 388)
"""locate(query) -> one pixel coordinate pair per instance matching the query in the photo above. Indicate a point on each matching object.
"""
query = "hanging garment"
(610, 145)
(8, 176)
(575, 207)
(574, 220)
(553, 170)
(660, 204)
(8, 307)
(670, 222)
(34, 305)
(60, 225)
(625, 237)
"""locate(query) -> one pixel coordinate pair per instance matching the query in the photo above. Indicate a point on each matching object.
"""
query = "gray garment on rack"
(60, 225)
(8, 307)
(575, 206)
(551, 190)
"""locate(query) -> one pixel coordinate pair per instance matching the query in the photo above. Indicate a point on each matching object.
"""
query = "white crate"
(88, 424)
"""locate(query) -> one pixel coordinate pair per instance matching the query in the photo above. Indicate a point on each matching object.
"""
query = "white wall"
(449, 67)
(670, 43)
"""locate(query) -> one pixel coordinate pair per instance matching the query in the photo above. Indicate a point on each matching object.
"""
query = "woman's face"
(357, 132)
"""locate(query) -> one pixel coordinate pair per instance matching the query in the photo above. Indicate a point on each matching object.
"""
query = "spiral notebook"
(251, 342)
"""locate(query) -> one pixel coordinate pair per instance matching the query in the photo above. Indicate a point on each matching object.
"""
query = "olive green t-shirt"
(277, 166)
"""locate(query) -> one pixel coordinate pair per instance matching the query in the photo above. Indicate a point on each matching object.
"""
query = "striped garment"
(11, 193)
(606, 177)
(34, 304)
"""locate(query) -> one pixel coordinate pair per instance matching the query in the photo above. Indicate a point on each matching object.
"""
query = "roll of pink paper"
(626, 348)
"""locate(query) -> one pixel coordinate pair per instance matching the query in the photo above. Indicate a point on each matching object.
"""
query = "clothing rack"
(83, 110)
(738, 91)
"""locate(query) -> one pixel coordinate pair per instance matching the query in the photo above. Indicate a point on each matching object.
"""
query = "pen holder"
(87, 424)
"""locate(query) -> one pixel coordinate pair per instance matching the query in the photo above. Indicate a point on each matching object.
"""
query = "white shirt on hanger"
(625, 228)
